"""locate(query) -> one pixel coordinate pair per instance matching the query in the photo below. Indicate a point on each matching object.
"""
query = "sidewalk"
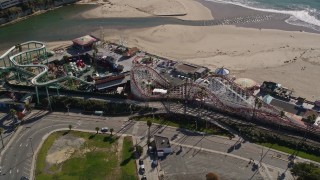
(150, 173)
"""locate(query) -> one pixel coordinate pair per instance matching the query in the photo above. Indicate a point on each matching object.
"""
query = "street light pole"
(31, 146)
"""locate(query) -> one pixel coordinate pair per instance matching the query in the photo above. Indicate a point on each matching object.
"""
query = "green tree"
(257, 104)
(97, 129)
(12, 113)
(1, 131)
(111, 130)
(4, 76)
(28, 107)
(139, 150)
(306, 171)
(212, 176)
(70, 127)
(311, 119)
(94, 55)
(149, 124)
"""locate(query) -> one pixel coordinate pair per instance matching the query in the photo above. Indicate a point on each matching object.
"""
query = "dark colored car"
(144, 177)
(142, 171)
(140, 162)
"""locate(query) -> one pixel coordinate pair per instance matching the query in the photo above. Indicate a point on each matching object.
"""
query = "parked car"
(144, 177)
(104, 129)
(142, 170)
(154, 163)
(140, 162)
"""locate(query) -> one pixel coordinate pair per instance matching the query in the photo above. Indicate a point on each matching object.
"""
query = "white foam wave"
(302, 15)
(294, 21)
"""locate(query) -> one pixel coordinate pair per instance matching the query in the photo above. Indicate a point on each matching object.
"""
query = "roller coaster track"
(221, 94)
(20, 67)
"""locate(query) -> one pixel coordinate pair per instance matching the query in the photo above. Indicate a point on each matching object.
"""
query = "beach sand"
(181, 9)
(290, 57)
(263, 55)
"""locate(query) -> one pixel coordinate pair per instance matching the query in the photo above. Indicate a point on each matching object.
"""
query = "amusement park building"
(8, 3)
(84, 42)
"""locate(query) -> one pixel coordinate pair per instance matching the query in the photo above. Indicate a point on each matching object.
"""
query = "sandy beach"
(181, 9)
(291, 58)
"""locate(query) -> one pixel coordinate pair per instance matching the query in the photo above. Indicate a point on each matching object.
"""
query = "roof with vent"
(161, 142)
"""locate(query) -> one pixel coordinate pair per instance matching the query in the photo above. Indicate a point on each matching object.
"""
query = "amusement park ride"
(217, 92)
(25, 59)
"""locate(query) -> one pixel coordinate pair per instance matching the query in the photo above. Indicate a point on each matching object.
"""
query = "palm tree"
(1, 131)
(70, 127)
(149, 124)
(97, 129)
(257, 104)
(111, 130)
(94, 55)
(282, 114)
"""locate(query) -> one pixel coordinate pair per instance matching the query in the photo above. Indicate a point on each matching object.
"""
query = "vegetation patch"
(306, 171)
(186, 122)
(292, 151)
(94, 156)
(301, 147)
(89, 106)
(128, 165)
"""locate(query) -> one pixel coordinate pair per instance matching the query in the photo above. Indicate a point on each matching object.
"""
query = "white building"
(4, 4)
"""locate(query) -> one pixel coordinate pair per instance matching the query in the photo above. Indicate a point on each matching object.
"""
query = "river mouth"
(66, 23)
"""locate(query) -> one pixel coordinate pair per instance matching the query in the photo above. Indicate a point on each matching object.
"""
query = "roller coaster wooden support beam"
(221, 94)
(49, 102)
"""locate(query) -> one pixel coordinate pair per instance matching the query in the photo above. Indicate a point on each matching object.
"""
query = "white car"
(104, 129)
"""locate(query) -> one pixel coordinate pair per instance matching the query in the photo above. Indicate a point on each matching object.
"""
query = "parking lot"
(195, 164)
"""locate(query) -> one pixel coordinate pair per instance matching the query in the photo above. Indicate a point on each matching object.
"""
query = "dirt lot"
(63, 148)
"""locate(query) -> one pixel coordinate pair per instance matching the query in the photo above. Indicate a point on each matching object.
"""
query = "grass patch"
(100, 161)
(41, 158)
(291, 151)
(128, 165)
(185, 122)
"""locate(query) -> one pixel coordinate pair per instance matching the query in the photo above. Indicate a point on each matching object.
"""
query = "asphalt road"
(16, 161)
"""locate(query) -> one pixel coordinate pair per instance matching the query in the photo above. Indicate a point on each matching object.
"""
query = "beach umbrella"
(222, 71)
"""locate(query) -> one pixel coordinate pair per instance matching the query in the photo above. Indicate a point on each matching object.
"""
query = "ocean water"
(302, 12)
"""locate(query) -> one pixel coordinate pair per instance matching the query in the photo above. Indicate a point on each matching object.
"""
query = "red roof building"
(84, 42)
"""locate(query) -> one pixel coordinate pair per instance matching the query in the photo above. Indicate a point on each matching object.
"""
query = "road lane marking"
(26, 145)
(20, 145)
(17, 170)
(10, 171)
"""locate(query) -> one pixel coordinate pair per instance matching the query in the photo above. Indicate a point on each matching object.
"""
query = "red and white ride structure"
(218, 92)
